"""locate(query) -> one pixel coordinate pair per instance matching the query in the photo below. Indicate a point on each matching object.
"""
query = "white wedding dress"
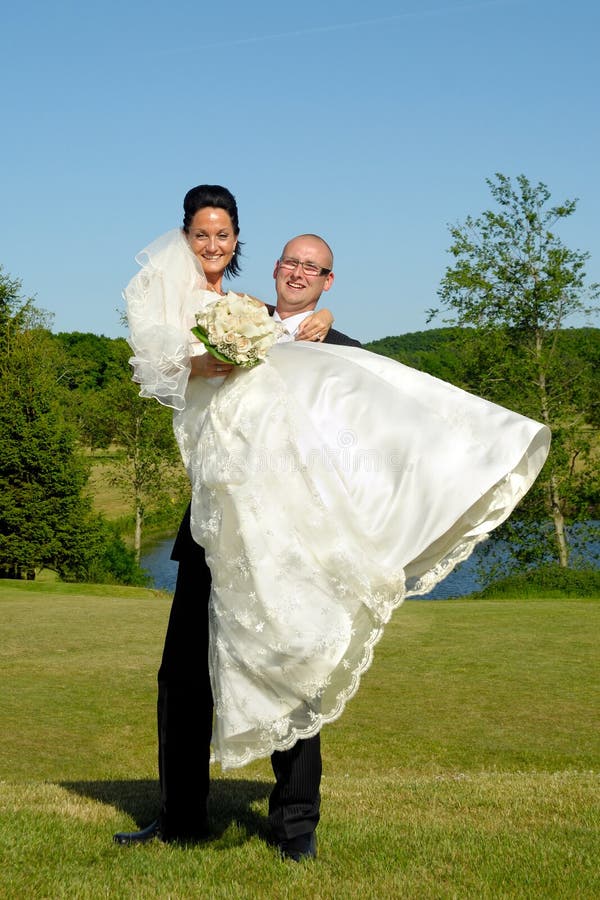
(328, 484)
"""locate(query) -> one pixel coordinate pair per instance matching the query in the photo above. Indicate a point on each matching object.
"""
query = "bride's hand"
(316, 326)
(208, 367)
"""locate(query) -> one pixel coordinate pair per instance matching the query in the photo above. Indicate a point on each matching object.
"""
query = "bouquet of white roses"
(237, 329)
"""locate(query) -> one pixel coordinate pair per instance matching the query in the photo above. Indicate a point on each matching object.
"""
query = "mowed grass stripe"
(466, 766)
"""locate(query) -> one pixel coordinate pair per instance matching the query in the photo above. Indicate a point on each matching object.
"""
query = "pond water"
(158, 564)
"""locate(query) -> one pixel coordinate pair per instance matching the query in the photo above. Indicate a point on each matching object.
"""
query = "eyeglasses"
(309, 268)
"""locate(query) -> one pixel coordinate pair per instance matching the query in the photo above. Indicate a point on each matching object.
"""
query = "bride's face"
(212, 239)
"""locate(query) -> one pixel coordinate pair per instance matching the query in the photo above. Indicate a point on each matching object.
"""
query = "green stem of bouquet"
(202, 336)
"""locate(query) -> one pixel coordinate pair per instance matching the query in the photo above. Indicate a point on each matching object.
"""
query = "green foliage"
(93, 360)
(513, 285)
(165, 517)
(436, 351)
(110, 412)
(46, 521)
(511, 268)
(547, 581)
(17, 314)
(149, 470)
(526, 543)
(115, 563)
(94, 364)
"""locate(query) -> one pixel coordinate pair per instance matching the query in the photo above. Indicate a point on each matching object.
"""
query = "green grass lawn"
(467, 765)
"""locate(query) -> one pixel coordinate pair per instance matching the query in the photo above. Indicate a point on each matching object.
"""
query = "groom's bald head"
(302, 273)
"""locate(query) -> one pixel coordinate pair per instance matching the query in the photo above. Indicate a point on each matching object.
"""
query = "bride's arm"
(207, 366)
(316, 326)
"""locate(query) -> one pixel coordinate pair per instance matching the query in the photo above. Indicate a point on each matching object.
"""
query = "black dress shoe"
(150, 833)
(303, 846)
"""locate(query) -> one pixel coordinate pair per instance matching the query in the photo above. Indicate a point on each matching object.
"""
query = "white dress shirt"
(291, 324)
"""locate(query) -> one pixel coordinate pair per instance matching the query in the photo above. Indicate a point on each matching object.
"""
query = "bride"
(328, 484)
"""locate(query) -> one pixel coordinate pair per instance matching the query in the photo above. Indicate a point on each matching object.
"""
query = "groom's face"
(297, 291)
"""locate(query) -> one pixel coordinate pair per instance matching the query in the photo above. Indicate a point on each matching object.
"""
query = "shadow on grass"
(231, 801)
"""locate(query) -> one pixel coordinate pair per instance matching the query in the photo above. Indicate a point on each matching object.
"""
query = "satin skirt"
(330, 483)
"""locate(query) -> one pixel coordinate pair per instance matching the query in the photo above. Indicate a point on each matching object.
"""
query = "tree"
(46, 521)
(104, 405)
(515, 284)
(433, 351)
(149, 469)
(93, 363)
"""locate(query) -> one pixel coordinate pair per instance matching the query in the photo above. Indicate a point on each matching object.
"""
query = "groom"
(185, 703)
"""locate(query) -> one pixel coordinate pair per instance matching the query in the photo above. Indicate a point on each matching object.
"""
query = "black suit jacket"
(337, 337)
(185, 547)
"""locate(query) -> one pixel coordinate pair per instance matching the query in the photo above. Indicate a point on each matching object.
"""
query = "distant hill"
(440, 351)
(436, 351)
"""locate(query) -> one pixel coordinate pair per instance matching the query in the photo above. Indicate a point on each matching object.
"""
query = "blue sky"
(374, 125)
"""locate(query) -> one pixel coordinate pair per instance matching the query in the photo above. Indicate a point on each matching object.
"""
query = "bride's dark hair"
(220, 198)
